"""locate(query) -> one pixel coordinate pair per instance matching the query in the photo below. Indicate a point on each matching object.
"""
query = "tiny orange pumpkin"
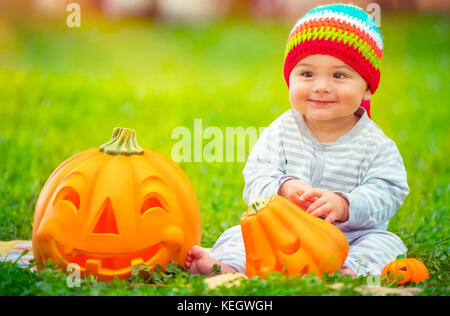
(115, 207)
(280, 236)
(405, 270)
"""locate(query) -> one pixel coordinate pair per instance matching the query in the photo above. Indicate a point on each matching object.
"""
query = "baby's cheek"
(299, 90)
(351, 94)
(298, 96)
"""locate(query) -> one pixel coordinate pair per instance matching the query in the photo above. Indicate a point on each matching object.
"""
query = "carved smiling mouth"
(94, 262)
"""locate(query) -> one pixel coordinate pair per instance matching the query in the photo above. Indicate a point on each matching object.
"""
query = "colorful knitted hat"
(343, 31)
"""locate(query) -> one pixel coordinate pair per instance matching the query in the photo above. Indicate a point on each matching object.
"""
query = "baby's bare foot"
(347, 271)
(199, 261)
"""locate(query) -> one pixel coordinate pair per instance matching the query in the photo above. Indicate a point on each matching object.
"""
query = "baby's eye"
(338, 76)
(306, 74)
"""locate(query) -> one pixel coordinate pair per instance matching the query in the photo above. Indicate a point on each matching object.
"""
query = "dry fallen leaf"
(379, 290)
(383, 291)
(229, 279)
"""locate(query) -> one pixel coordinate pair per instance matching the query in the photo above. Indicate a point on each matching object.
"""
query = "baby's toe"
(197, 252)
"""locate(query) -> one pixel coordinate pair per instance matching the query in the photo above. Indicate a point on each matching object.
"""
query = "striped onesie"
(363, 165)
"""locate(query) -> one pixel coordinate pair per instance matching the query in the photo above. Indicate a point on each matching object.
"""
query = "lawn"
(64, 90)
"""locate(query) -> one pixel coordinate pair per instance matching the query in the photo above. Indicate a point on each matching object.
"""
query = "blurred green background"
(63, 90)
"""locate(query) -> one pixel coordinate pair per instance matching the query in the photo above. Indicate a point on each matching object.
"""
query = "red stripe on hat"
(344, 52)
(343, 25)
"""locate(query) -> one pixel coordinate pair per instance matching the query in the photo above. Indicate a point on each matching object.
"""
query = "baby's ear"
(367, 94)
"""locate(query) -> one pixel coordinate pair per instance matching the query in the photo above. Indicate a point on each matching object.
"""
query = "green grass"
(64, 90)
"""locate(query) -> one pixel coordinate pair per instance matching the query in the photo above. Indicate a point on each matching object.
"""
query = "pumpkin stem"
(258, 205)
(123, 142)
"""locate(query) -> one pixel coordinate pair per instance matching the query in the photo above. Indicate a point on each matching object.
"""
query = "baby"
(326, 155)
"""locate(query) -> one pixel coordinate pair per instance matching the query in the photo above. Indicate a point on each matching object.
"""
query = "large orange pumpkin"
(405, 270)
(279, 236)
(111, 208)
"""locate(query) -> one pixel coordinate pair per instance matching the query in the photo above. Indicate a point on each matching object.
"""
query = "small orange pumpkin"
(405, 270)
(280, 236)
(115, 207)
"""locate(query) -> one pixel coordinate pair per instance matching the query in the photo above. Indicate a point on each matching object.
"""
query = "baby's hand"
(334, 206)
(293, 189)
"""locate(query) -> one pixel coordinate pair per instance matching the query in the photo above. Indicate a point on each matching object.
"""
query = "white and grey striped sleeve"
(383, 189)
(264, 171)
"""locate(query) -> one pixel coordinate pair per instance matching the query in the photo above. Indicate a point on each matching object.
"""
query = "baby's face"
(323, 87)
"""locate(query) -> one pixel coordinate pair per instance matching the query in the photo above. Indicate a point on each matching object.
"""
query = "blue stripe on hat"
(349, 10)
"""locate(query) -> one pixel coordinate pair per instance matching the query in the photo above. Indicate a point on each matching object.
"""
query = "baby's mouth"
(321, 102)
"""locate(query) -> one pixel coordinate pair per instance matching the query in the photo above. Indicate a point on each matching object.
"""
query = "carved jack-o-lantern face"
(110, 209)
(279, 236)
(405, 270)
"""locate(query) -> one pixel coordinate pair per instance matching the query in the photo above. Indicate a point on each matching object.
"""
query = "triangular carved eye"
(151, 202)
(106, 224)
(68, 194)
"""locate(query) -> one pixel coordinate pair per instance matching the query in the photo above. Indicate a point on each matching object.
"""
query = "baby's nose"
(321, 85)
